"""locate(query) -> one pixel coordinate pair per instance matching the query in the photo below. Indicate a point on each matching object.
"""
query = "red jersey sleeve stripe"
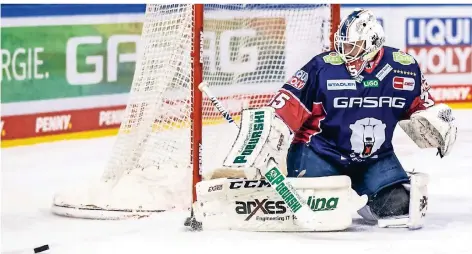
(417, 105)
(293, 113)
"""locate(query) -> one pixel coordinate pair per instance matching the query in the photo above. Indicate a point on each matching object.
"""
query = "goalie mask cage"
(170, 133)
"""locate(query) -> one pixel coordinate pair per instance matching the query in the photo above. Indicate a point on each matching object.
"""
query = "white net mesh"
(249, 51)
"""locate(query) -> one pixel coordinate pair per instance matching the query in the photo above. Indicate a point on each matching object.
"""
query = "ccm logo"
(249, 184)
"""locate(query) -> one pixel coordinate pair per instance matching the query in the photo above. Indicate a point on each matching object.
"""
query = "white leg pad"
(252, 205)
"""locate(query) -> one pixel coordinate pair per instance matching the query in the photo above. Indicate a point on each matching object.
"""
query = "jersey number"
(279, 101)
(427, 101)
(352, 69)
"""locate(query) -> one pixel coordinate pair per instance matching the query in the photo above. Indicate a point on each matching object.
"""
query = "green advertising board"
(65, 61)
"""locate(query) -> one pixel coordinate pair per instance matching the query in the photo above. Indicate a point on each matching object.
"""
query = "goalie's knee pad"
(390, 201)
(402, 205)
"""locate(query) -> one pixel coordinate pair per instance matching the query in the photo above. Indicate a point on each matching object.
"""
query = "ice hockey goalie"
(329, 130)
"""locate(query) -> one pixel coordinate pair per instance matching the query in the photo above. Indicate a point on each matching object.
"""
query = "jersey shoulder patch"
(403, 64)
(403, 58)
(298, 80)
(332, 58)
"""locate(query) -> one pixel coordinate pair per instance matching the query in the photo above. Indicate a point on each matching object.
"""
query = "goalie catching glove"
(433, 127)
(262, 136)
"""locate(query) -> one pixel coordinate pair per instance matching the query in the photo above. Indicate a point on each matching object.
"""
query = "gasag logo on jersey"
(299, 79)
(403, 83)
(333, 58)
(369, 102)
(403, 58)
(341, 84)
(441, 45)
(384, 72)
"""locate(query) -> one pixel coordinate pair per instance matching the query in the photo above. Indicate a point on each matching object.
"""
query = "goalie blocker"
(261, 136)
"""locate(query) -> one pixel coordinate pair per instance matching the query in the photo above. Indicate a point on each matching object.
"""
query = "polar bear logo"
(368, 135)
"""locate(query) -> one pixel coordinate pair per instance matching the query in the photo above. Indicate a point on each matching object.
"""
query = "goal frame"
(136, 181)
(196, 107)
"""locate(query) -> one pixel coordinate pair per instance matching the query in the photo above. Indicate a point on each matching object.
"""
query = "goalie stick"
(274, 175)
(191, 221)
(225, 113)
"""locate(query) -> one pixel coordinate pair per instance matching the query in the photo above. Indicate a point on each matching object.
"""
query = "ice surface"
(32, 174)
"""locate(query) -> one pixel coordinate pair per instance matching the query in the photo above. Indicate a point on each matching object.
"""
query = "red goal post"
(171, 133)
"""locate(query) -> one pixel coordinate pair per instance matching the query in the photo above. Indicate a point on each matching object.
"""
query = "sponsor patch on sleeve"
(424, 84)
(298, 80)
(403, 83)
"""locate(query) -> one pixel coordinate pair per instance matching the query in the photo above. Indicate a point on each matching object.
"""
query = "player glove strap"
(433, 127)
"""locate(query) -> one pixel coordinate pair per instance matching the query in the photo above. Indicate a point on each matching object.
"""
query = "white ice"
(32, 174)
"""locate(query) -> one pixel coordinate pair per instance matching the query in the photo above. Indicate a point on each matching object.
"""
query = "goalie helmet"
(358, 39)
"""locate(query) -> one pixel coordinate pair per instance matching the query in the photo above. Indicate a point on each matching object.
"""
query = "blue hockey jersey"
(350, 120)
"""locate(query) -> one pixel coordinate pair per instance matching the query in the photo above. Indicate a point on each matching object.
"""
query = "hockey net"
(170, 133)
